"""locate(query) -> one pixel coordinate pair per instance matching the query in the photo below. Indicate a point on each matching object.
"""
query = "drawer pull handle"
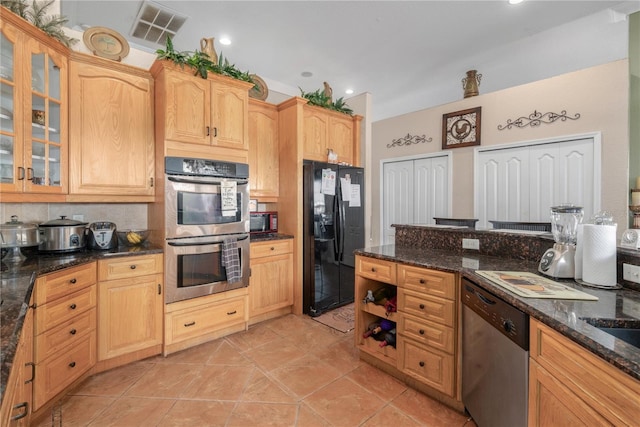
(133, 267)
(73, 306)
(72, 364)
(23, 405)
(421, 331)
(421, 306)
(186, 325)
(229, 313)
(422, 281)
(73, 332)
(421, 364)
(73, 281)
(33, 372)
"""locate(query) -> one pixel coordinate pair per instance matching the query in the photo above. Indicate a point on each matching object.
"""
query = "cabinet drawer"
(436, 309)
(55, 374)
(274, 247)
(430, 366)
(433, 282)
(428, 333)
(64, 336)
(376, 269)
(200, 320)
(57, 285)
(55, 313)
(123, 267)
(602, 386)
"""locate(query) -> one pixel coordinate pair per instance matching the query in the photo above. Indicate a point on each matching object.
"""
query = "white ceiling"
(409, 55)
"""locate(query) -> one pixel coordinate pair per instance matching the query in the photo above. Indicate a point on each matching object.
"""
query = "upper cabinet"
(33, 112)
(195, 114)
(111, 139)
(264, 159)
(325, 130)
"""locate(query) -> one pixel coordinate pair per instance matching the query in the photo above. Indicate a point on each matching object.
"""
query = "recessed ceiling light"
(515, 1)
(348, 91)
(225, 41)
(306, 74)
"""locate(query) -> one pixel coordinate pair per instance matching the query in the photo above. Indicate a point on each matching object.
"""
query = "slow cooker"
(62, 235)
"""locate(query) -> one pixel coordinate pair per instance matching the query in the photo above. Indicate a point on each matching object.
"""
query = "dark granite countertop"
(565, 316)
(17, 287)
(269, 236)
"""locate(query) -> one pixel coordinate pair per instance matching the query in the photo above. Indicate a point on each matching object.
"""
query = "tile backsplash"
(125, 215)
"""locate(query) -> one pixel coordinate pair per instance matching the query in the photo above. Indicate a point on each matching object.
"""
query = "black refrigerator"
(333, 227)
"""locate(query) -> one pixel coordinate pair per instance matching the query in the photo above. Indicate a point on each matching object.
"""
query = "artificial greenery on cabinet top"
(36, 14)
(321, 99)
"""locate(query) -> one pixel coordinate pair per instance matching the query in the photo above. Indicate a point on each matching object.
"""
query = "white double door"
(521, 183)
(414, 192)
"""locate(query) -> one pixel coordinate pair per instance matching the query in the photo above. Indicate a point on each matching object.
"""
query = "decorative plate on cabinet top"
(259, 91)
(106, 43)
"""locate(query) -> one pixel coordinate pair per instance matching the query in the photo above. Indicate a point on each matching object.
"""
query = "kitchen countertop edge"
(623, 356)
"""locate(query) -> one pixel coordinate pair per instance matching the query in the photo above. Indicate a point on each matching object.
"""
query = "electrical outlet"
(631, 273)
(78, 217)
(470, 263)
(471, 244)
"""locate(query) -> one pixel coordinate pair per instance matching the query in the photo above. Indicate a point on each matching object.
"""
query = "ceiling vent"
(154, 23)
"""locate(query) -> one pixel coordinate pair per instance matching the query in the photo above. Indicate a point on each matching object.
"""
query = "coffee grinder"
(559, 261)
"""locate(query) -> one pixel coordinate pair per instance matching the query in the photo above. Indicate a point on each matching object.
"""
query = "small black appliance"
(102, 235)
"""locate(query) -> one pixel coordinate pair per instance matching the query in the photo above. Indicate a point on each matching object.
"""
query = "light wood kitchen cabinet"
(131, 305)
(198, 320)
(65, 332)
(33, 117)
(271, 282)
(17, 397)
(264, 152)
(425, 321)
(112, 137)
(195, 114)
(569, 385)
(329, 130)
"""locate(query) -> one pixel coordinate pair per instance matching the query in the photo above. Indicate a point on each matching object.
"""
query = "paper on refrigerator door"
(354, 200)
(228, 199)
(328, 182)
(345, 189)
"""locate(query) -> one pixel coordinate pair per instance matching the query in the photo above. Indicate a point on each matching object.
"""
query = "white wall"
(599, 94)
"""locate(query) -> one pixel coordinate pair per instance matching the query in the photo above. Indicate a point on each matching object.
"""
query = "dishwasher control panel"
(511, 322)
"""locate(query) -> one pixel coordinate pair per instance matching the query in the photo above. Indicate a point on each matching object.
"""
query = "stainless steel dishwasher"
(495, 359)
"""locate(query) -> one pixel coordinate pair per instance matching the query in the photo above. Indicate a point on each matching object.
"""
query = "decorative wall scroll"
(462, 128)
(409, 140)
(536, 119)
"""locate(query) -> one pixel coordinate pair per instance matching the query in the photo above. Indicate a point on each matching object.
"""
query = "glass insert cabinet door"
(33, 118)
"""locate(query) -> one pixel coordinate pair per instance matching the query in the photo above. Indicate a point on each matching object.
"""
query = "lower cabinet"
(17, 398)
(425, 323)
(131, 301)
(568, 385)
(65, 330)
(271, 283)
(198, 320)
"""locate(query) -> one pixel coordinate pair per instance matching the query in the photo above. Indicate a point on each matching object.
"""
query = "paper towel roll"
(599, 255)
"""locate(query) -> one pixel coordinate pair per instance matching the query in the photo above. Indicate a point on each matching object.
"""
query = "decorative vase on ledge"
(470, 83)
(207, 47)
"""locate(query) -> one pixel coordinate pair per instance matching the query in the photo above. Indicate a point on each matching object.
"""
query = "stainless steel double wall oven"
(206, 203)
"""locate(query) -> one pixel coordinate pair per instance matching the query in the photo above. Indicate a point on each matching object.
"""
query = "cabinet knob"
(73, 332)
(421, 364)
(421, 306)
(72, 364)
(73, 306)
(133, 267)
(373, 270)
(422, 281)
(421, 331)
(73, 281)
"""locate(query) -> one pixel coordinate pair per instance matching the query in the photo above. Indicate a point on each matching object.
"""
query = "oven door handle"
(205, 181)
(210, 242)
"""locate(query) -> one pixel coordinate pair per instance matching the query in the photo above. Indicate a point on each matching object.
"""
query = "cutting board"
(530, 285)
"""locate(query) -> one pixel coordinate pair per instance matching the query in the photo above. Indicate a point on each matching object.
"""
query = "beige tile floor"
(290, 371)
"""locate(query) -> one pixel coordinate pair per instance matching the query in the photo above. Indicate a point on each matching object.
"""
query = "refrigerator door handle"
(337, 237)
(342, 230)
